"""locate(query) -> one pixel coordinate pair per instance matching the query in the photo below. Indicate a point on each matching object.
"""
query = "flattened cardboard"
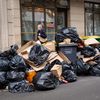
(26, 47)
(57, 70)
(53, 56)
(50, 46)
(64, 57)
(36, 68)
(91, 41)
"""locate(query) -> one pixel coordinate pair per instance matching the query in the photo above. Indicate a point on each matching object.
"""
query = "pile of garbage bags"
(43, 66)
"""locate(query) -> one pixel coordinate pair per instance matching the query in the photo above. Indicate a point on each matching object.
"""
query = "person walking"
(41, 35)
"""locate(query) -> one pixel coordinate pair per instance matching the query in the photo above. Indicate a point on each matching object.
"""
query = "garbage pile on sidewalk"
(47, 65)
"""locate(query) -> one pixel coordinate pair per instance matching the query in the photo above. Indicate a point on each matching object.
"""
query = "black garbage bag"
(38, 54)
(59, 37)
(98, 66)
(71, 33)
(48, 67)
(10, 53)
(98, 47)
(66, 66)
(17, 63)
(97, 59)
(45, 81)
(15, 76)
(81, 67)
(88, 51)
(2, 86)
(3, 81)
(69, 75)
(4, 64)
(3, 77)
(94, 71)
(20, 87)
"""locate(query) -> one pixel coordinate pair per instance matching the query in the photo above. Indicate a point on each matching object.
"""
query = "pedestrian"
(41, 35)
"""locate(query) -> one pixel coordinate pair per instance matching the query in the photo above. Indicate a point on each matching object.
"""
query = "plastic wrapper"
(45, 81)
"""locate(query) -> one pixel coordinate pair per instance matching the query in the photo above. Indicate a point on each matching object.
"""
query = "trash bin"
(69, 50)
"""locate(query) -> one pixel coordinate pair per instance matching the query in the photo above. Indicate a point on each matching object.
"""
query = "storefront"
(92, 17)
(51, 13)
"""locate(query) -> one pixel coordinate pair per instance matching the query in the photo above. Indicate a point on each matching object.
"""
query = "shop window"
(60, 20)
(27, 23)
(34, 12)
(50, 23)
(92, 15)
(38, 17)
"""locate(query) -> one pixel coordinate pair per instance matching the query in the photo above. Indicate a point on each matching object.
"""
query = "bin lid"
(68, 45)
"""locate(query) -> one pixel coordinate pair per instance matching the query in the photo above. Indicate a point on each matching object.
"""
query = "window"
(38, 16)
(92, 15)
(27, 23)
(34, 12)
(50, 23)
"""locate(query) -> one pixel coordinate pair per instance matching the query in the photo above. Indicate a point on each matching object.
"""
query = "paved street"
(86, 88)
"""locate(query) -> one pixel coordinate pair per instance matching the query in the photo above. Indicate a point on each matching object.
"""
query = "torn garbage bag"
(15, 76)
(45, 81)
(38, 54)
(21, 86)
(17, 63)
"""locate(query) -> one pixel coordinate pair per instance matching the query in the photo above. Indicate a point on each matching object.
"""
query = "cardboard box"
(64, 57)
(67, 41)
(36, 68)
(26, 47)
(50, 46)
(53, 56)
(57, 70)
(91, 41)
(24, 51)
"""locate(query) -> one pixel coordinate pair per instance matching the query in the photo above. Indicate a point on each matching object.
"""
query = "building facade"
(19, 18)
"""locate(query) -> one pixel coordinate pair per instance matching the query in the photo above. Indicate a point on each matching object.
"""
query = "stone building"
(19, 18)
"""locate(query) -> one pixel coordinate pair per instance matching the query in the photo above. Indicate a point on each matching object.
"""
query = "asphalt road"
(86, 88)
